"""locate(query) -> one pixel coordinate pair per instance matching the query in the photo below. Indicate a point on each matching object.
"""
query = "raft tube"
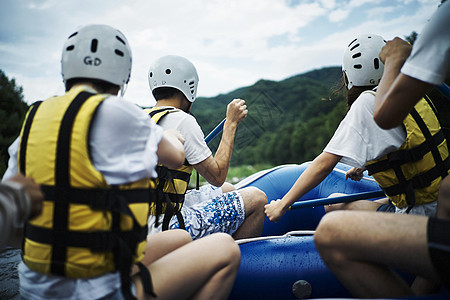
(277, 267)
(277, 181)
(289, 267)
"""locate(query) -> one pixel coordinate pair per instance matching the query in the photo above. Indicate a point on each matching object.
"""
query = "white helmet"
(176, 72)
(361, 62)
(97, 52)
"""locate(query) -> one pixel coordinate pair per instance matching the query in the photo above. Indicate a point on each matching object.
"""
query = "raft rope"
(286, 235)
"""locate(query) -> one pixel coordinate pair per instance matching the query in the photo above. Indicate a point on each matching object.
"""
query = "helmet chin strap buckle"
(123, 89)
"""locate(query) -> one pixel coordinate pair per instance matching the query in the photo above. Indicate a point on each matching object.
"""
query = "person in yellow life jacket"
(216, 207)
(408, 161)
(93, 153)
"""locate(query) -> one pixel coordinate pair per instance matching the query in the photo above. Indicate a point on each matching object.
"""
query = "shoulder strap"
(157, 114)
(25, 135)
(62, 178)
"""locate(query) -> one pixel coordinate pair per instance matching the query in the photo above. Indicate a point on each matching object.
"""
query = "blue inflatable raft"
(284, 263)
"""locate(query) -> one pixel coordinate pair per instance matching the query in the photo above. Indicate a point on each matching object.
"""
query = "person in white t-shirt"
(217, 207)
(93, 155)
(360, 143)
(362, 248)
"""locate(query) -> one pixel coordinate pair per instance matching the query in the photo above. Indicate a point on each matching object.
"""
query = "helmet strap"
(123, 89)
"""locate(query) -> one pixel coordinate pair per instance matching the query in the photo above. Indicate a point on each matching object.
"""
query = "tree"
(12, 113)
(411, 38)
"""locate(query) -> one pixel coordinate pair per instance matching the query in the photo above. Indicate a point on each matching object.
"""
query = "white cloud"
(338, 15)
(379, 12)
(42, 5)
(228, 41)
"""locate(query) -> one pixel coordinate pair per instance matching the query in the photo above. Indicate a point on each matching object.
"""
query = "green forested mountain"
(289, 121)
(12, 112)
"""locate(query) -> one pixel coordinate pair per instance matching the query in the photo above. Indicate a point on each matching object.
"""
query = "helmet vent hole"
(73, 34)
(376, 63)
(351, 42)
(192, 87)
(168, 71)
(70, 48)
(120, 40)
(94, 44)
(358, 66)
(356, 55)
(151, 74)
(120, 53)
(356, 46)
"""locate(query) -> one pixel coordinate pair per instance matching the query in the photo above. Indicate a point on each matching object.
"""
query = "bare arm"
(321, 166)
(215, 169)
(20, 199)
(397, 93)
(171, 150)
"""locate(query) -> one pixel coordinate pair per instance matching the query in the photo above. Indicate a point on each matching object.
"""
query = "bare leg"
(421, 285)
(443, 206)
(254, 201)
(161, 243)
(203, 269)
(359, 246)
(356, 205)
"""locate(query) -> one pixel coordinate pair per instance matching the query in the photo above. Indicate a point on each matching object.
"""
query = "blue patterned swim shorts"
(222, 213)
(225, 213)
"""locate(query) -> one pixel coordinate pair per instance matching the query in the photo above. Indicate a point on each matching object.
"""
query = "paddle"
(444, 89)
(340, 199)
(215, 132)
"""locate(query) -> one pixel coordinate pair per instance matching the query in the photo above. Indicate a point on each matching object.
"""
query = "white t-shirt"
(358, 138)
(124, 141)
(195, 147)
(430, 57)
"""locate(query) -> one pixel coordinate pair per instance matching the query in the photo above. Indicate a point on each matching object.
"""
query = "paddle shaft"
(444, 89)
(215, 132)
(333, 200)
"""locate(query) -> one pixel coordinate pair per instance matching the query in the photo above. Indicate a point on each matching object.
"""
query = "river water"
(9, 278)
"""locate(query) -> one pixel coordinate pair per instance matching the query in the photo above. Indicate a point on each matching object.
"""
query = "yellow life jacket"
(171, 185)
(87, 228)
(413, 173)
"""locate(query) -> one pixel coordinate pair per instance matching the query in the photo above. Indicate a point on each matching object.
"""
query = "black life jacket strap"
(172, 209)
(96, 241)
(169, 174)
(160, 110)
(123, 254)
(433, 148)
(197, 184)
(419, 181)
(99, 199)
(62, 179)
(403, 156)
(25, 135)
(175, 201)
(180, 220)
(146, 279)
(167, 214)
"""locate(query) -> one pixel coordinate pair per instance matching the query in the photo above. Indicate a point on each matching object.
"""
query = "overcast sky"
(233, 43)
